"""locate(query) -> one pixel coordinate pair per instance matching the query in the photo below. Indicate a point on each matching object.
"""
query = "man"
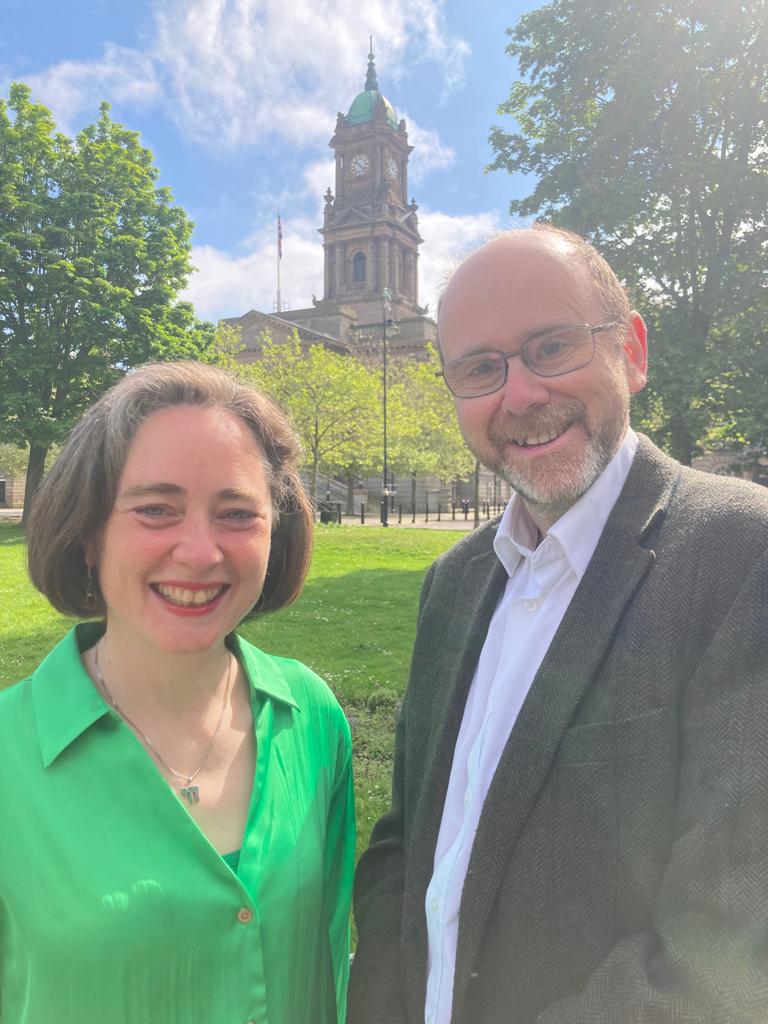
(579, 824)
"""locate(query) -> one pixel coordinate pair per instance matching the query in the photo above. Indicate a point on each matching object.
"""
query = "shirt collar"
(273, 683)
(578, 530)
(65, 700)
(67, 703)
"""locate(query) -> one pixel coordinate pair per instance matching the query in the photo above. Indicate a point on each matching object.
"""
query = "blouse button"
(244, 915)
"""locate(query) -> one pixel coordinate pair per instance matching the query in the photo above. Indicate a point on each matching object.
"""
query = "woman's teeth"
(191, 598)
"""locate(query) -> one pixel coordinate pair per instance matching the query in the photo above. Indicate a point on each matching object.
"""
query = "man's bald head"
(564, 246)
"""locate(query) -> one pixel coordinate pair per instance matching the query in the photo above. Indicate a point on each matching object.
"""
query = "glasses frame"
(506, 356)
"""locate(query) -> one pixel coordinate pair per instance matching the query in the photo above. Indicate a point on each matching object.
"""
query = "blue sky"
(238, 99)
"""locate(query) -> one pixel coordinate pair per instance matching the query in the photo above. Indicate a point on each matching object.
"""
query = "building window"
(358, 268)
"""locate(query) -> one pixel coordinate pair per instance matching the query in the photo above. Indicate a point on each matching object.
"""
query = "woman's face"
(182, 557)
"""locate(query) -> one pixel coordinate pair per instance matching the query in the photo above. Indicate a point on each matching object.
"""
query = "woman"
(176, 805)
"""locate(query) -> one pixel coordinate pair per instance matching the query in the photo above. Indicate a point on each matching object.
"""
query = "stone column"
(395, 270)
(328, 272)
(385, 275)
(339, 175)
(408, 275)
(338, 260)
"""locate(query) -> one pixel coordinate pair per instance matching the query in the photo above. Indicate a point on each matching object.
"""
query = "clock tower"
(370, 230)
(370, 236)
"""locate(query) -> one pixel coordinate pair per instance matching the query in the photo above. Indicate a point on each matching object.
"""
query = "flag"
(279, 237)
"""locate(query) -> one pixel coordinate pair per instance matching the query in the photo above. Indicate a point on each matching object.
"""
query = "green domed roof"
(364, 104)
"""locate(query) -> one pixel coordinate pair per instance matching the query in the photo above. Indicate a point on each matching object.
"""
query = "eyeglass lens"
(547, 356)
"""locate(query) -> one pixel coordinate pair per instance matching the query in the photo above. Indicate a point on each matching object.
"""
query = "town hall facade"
(371, 244)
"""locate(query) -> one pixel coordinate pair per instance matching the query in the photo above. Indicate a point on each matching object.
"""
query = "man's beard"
(558, 479)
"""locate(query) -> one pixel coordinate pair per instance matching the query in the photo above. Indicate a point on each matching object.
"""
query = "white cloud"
(434, 44)
(446, 239)
(317, 177)
(70, 88)
(429, 153)
(240, 71)
(229, 285)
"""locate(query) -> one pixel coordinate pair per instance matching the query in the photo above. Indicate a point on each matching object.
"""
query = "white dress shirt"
(542, 581)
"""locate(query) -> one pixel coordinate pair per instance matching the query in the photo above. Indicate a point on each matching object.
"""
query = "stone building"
(254, 325)
(370, 238)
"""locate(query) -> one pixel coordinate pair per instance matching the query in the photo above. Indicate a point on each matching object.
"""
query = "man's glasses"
(548, 355)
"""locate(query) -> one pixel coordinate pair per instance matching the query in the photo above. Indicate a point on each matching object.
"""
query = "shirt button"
(244, 915)
(531, 606)
(434, 905)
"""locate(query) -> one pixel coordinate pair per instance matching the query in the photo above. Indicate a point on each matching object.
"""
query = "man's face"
(550, 438)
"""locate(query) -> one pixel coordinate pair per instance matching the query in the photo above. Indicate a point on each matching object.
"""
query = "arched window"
(358, 268)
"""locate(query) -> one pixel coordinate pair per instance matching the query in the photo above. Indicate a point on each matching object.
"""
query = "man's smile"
(535, 439)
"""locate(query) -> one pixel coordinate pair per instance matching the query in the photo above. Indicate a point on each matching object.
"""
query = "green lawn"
(354, 624)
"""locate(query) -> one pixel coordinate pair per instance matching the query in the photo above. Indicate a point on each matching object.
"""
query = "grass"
(354, 624)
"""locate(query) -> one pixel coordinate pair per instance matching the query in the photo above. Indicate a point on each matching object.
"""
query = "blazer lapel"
(620, 562)
(482, 582)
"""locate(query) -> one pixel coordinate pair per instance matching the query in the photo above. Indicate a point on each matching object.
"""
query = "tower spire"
(371, 82)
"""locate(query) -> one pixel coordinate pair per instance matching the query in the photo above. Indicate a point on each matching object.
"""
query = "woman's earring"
(92, 587)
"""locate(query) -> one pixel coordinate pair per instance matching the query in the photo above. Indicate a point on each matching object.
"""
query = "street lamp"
(386, 309)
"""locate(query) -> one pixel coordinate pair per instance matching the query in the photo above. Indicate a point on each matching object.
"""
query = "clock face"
(392, 170)
(360, 164)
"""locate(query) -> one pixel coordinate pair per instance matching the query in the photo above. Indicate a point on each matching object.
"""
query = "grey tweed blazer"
(620, 870)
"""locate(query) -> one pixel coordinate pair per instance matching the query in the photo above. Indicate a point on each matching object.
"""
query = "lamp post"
(386, 309)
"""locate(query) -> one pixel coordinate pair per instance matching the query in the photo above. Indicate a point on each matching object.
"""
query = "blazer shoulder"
(695, 501)
(477, 542)
(737, 505)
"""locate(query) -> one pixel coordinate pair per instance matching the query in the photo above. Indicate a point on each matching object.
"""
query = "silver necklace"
(189, 792)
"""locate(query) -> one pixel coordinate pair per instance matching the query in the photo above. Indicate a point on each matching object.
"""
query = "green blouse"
(113, 904)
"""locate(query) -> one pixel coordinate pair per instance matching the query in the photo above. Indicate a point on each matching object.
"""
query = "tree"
(333, 401)
(92, 256)
(645, 127)
(425, 436)
(14, 460)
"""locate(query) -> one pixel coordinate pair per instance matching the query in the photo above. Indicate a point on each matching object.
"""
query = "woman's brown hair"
(79, 492)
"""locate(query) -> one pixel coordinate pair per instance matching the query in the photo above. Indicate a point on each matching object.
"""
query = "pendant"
(191, 794)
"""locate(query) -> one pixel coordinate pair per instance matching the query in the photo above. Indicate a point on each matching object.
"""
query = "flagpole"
(279, 257)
